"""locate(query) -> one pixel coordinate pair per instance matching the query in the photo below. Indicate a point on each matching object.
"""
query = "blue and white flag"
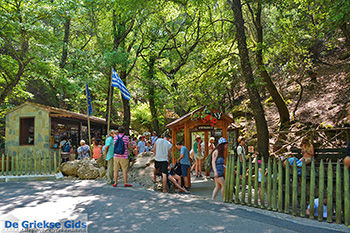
(117, 82)
(88, 97)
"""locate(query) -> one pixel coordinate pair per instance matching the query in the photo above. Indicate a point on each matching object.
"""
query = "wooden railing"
(34, 164)
(290, 189)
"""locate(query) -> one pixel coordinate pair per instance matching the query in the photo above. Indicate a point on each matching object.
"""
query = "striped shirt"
(126, 142)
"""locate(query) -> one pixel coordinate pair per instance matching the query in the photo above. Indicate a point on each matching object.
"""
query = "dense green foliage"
(174, 56)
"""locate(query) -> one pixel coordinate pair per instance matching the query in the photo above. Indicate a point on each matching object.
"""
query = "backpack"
(119, 147)
(66, 147)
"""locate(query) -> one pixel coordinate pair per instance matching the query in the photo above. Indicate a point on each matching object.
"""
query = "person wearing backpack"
(65, 149)
(121, 160)
(108, 156)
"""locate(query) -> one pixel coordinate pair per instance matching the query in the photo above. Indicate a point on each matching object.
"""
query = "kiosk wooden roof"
(201, 119)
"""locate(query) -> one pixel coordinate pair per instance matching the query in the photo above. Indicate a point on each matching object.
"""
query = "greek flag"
(117, 82)
(88, 97)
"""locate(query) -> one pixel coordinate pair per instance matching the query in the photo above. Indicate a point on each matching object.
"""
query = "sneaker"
(115, 185)
(127, 185)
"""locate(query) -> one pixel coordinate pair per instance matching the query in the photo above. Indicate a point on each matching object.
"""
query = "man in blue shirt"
(109, 154)
(184, 160)
(141, 145)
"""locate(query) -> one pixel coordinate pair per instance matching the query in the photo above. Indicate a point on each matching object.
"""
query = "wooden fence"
(290, 189)
(34, 164)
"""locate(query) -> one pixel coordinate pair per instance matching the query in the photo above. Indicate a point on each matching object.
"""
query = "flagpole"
(88, 115)
(109, 102)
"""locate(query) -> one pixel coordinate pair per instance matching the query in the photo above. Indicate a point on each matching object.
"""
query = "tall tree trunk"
(346, 31)
(65, 43)
(258, 111)
(270, 86)
(151, 97)
(126, 106)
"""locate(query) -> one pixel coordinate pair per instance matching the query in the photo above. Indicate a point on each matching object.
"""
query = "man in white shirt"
(162, 151)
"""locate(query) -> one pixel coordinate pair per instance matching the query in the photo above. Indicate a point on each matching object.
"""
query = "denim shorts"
(184, 170)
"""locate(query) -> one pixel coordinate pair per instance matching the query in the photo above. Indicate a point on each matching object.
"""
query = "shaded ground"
(137, 210)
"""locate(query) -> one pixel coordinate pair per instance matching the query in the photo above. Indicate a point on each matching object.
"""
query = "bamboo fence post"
(280, 187)
(237, 180)
(274, 185)
(2, 165)
(40, 163)
(7, 165)
(287, 194)
(54, 162)
(303, 191)
(320, 191)
(295, 189)
(13, 163)
(26, 164)
(312, 190)
(269, 178)
(256, 188)
(338, 202)
(59, 157)
(250, 182)
(243, 182)
(46, 163)
(17, 164)
(35, 168)
(262, 184)
(227, 176)
(346, 197)
(232, 178)
(330, 192)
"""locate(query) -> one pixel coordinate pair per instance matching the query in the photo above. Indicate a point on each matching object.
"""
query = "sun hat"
(198, 136)
(222, 140)
(211, 138)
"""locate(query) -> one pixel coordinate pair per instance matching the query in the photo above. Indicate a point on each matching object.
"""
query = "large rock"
(88, 172)
(102, 171)
(70, 168)
(144, 160)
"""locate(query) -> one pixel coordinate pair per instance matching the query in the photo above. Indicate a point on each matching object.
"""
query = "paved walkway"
(137, 210)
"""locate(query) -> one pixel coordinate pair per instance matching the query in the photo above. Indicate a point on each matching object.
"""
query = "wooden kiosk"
(203, 119)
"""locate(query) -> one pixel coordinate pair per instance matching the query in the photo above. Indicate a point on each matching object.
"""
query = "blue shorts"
(184, 170)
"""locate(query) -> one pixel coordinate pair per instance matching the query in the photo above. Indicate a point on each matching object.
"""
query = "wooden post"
(187, 136)
(243, 182)
(280, 187)
(250, 182)
(173, 140)
(287, 194)
(320, 191)
(206, 142)
(295, 189)
(224, 134)
(109, 102)
(346, 197)
(338, 201)
(256, 188)
(312, 190)
(238, 167)
(59, 157)
(303, 191)
(274, 186)
(269, 179)
(329, 192)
